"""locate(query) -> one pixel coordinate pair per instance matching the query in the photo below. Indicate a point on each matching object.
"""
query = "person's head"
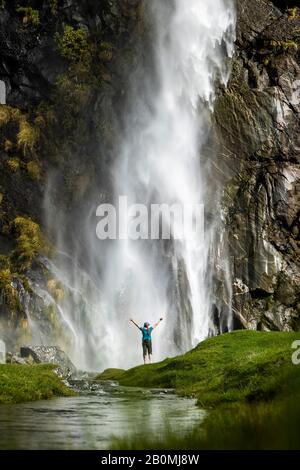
(146, 324)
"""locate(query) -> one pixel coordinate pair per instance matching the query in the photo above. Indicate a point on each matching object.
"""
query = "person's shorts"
(147, 347)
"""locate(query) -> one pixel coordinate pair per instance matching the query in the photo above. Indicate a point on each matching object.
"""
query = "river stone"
(51, 355)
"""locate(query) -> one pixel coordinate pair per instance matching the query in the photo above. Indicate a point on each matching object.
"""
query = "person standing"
(147, 338)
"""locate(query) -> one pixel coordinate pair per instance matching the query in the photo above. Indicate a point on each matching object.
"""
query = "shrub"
(8, 113)
(106, 51)
(54, 7)
(74, 97)
(27, 136)
(56, 289)
(29, 15)
(284, 46)
(14, 164)
(292, 13)
(8, 145)
(4, 115)
(8, 291)
(29, 241)
(73, 44)
(33, 170)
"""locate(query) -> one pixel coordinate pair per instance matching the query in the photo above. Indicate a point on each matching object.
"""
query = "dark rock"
(257, 121)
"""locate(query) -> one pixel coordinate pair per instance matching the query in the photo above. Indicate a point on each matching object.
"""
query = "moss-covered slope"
(20, 383)
(235, 367)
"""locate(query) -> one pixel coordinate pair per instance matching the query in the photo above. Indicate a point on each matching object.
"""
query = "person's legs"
(150, 351)
(145, 349)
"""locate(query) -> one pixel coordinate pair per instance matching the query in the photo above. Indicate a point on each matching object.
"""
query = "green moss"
(111, 374)
(30, 16)
(241, 366)
(19, 383)
(73, 44)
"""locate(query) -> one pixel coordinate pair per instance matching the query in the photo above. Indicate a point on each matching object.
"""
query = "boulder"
(51, 355)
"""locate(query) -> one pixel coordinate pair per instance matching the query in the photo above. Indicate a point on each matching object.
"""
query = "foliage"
(14, 164)
(56, 289)
(74, 94)
(54, 7)
(73, 44)
(20, 383)
(5, 115)
(27, 136)
(241, 366)
(29, 241)
(293, 13)
(8, 145)
(284, 46)
(8, 113)
(106, 51)
(29, 15)
(34, 170)
(8, 292)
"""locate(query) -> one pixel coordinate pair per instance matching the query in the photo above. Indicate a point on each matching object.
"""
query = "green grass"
(242, 366)
(246, 377)
(19, 383)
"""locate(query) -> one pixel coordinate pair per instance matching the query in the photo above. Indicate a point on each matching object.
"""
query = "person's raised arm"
(157, 323)
(135, 323)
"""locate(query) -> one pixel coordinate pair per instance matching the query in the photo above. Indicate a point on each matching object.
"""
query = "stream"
(97, 417)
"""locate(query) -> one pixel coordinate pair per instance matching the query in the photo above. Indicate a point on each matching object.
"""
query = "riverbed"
(96, 418)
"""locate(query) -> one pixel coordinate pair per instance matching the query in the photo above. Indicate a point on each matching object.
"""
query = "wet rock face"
(261, 139)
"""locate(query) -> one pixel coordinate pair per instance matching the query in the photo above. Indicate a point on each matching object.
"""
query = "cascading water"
(160, 160)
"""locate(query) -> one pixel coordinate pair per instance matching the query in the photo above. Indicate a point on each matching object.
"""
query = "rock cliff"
(257, 118)
(65, 65)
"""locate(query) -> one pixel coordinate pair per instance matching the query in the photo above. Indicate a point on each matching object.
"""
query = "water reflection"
(90, 421)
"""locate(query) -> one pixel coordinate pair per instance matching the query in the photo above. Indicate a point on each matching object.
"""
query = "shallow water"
(93, 419)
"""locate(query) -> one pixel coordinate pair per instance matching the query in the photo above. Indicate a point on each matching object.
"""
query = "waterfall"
(162, 158)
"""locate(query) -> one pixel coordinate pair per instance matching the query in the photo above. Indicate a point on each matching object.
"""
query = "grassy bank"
(19, 383)
(247, 379)
(242, 366)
